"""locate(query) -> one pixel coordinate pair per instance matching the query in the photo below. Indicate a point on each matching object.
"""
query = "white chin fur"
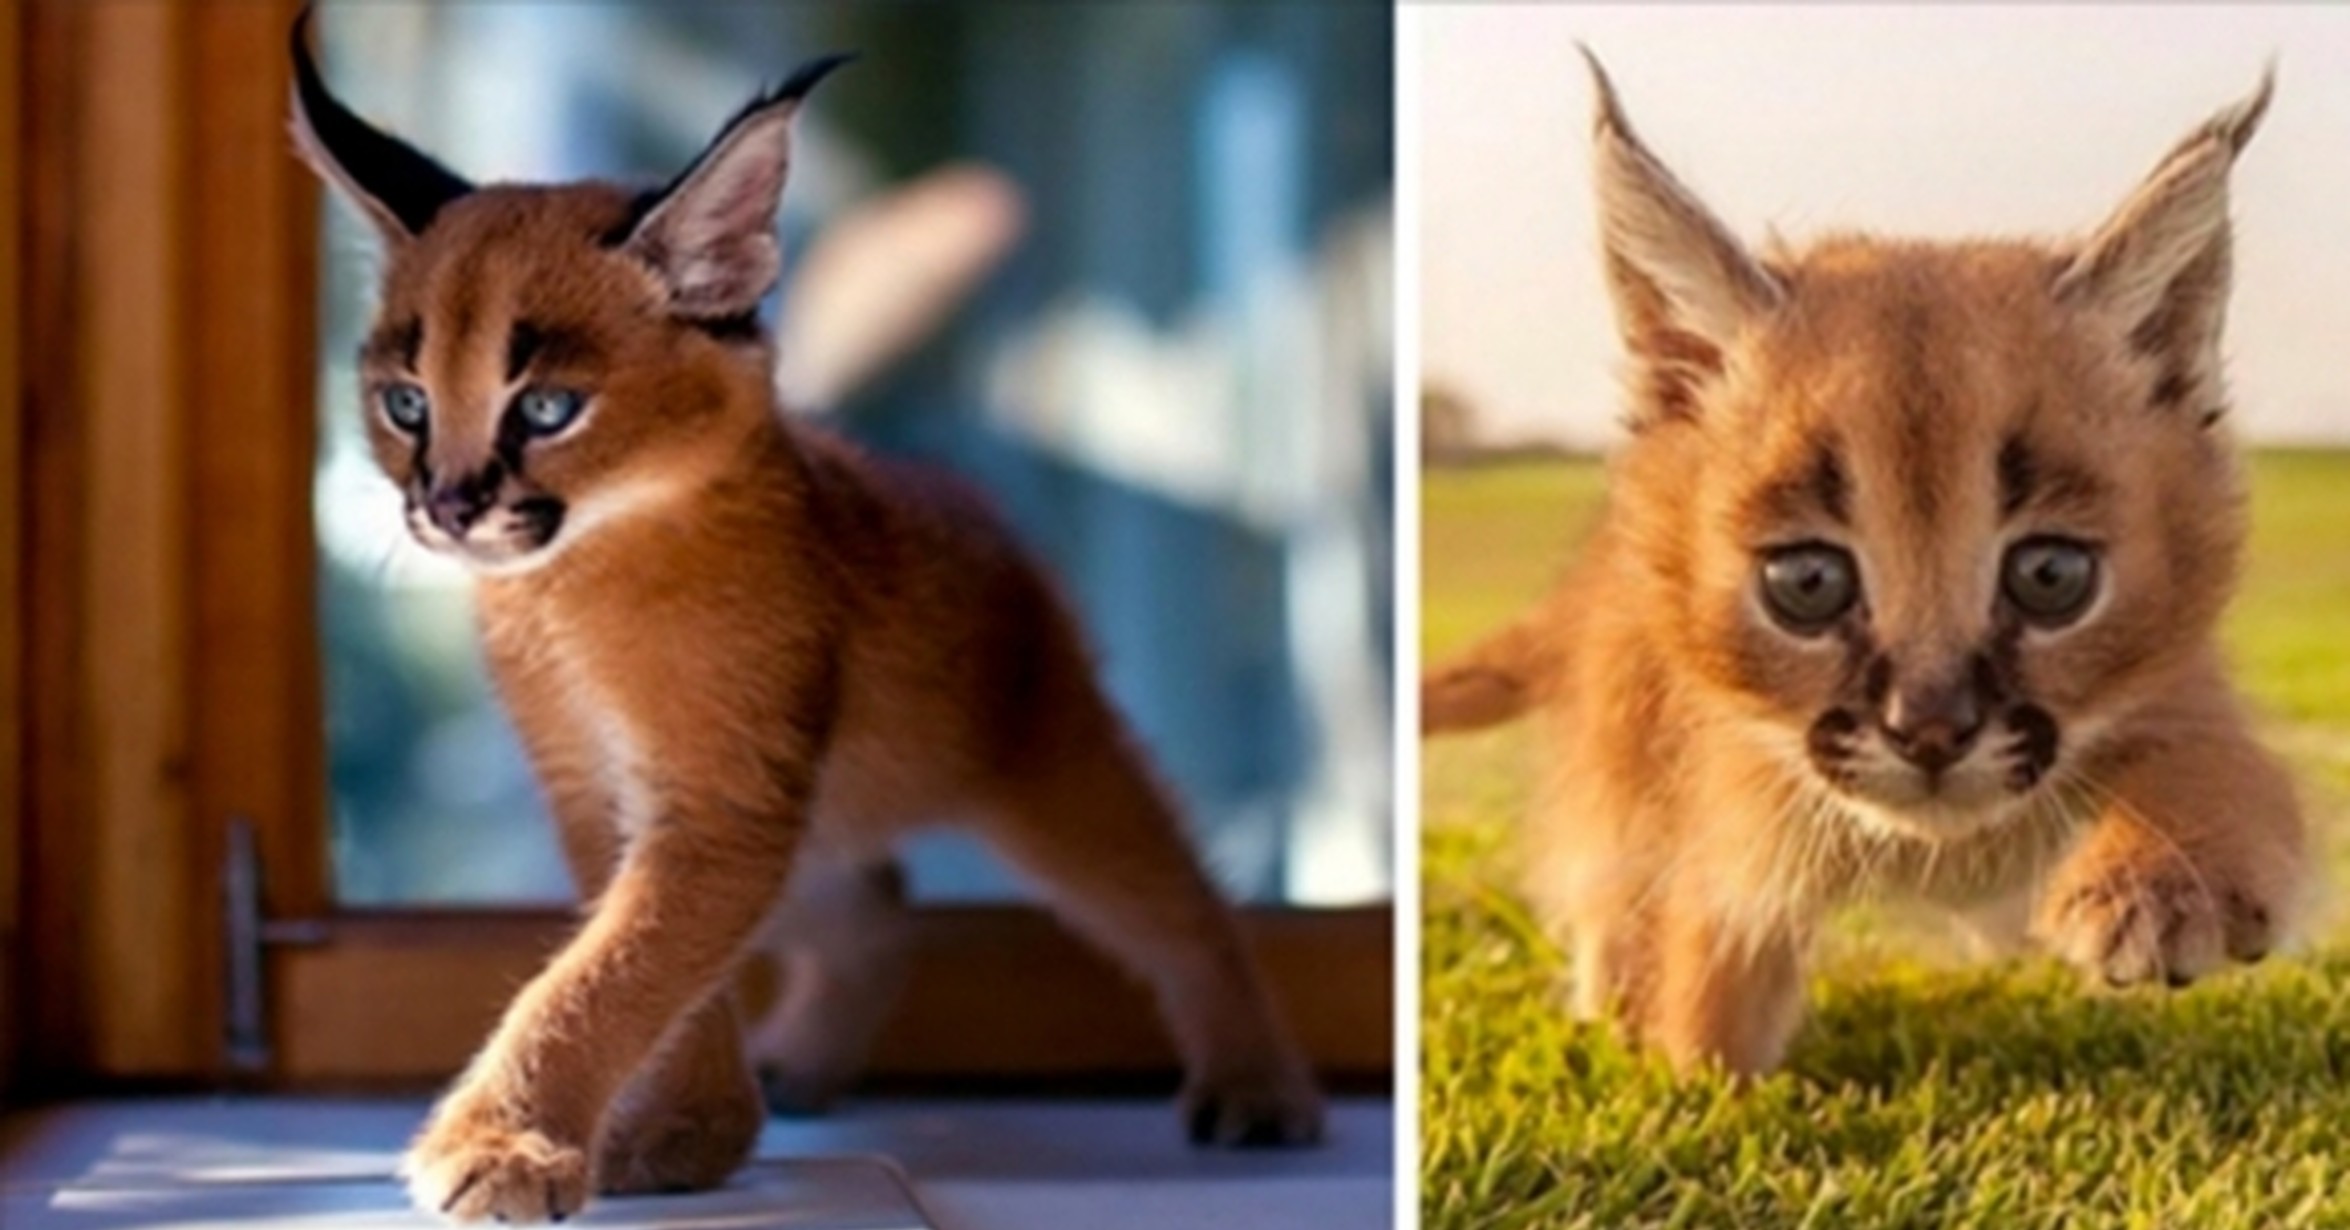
(511, 565)
(1933, 819)
(483, 552)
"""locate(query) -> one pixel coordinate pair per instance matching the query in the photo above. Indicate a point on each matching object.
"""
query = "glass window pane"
(1177, 385)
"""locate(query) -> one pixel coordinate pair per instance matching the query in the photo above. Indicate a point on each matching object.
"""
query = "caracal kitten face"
(1906, 586)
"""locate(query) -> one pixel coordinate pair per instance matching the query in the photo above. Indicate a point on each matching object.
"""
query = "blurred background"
(1932, 120)
(1177, 386)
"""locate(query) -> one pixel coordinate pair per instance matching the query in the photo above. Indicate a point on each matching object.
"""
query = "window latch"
(246, 1040)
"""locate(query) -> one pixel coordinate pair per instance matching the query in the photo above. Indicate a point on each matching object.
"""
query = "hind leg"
(689, 1117)
(842, 941)
(1105, 848)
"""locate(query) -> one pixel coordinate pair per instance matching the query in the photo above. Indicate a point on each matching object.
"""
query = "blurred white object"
(885, 276)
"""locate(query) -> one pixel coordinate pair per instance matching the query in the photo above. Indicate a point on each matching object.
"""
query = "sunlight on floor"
(197, 1164)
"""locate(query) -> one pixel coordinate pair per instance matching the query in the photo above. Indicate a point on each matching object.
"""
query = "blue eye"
(547, 411)
(406, 406)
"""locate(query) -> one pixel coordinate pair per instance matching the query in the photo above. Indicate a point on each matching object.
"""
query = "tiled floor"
(970, 1165)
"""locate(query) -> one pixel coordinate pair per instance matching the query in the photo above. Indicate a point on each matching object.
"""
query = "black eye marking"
(1818, 487)
(394, 345)
(548, 346)
(1829, 485)
(411, 343)
(1809, 586)
(2034, 478)
(2019, 472)
(2170, 390)
(522, 342)
(406, 407)
(2050, 580)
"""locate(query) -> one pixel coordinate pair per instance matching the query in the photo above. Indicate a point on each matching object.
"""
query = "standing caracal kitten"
(739, 655)
(1906, 587)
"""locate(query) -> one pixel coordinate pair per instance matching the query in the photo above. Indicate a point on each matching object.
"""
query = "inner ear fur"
(1683, 286)
(2160, 267)
(710, 234)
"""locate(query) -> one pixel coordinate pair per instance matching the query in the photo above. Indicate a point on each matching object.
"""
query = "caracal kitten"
(1905, 587)
(741, 656)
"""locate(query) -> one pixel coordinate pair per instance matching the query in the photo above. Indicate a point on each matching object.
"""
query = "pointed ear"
(1683, 286)
(2160, 266)
(711, 233)
(398, 188)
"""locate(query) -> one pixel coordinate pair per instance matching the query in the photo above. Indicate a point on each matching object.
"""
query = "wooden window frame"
(160, 568)
(12, 169)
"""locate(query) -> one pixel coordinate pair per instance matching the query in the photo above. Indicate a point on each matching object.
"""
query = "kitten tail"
(1496, 681)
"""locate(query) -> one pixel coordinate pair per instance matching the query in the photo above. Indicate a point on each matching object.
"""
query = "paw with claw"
(472, 1163)
(2155, 917)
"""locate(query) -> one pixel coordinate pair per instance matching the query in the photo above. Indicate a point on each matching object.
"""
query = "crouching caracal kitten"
(1905, 587)
(740, 656)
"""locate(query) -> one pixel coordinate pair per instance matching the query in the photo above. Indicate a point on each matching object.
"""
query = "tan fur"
(750, 657)
(1923, 406)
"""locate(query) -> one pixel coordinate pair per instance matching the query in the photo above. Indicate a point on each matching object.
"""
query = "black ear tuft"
(802, 82)
(396, 184)
(710, 234)
(795, 89)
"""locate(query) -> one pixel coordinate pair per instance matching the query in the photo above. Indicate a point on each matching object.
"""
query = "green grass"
(1925, 1091)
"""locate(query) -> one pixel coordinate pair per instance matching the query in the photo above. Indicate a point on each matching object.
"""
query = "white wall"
(1934, 121)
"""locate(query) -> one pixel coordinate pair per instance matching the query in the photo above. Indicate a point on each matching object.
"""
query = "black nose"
(455, 506)
(1933, 726)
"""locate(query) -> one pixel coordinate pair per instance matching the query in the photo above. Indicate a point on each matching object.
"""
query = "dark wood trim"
(12, 511)
(404, 999)
(55, 843)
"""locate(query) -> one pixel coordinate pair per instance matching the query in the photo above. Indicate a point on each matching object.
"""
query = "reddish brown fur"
(1872, 392)
(751, 650)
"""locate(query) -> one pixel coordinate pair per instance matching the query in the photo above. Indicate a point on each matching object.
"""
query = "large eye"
(405, 406)
(1809, 586)
(2050, 580)
(547, 411)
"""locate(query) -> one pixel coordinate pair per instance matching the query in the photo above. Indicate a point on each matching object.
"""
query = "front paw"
(1275, 1108)
(2155, 917)
(471, 1163)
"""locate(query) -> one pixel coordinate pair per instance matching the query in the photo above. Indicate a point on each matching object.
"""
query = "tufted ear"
(2160, 266)
(1684, 287)
(398, 188)
(711, 233)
